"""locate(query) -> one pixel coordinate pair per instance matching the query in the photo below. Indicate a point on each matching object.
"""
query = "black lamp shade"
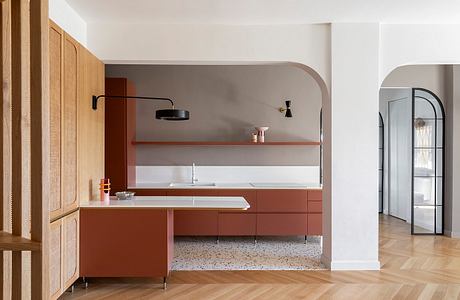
(172, 114)
(288, 113)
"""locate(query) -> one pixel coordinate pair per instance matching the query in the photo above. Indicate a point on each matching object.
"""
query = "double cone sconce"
(171, 114)
(287, 109)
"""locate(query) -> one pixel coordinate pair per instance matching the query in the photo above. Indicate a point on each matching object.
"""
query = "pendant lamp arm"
(95, 98)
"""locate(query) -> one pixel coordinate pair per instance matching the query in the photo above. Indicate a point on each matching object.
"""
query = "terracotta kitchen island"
(135, 238)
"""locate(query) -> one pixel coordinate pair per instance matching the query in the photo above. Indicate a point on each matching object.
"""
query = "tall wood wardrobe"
(76, 150)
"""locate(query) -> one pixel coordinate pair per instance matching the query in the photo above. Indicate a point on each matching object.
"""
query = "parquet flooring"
(413, 267)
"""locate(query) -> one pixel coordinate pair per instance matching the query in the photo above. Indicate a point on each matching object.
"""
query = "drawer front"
(199, 223)
(193, 192)
(315, 224)
(281, 224)
(282, 201)
(250, 196)
(315, 195)
(315, 206)
(237, 224)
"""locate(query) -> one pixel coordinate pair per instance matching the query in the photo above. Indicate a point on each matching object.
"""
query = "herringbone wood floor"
(413, 267)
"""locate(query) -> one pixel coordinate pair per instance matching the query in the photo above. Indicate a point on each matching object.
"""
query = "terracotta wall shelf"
(225, 143)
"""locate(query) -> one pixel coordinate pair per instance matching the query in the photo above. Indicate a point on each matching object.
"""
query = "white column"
(452, 172)
(351, 144)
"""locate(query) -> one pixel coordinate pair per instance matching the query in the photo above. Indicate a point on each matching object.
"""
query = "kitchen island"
(135, 238)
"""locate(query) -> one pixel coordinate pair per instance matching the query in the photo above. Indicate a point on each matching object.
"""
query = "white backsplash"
(228, 174)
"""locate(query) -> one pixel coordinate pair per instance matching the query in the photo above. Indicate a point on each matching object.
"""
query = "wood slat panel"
(5, 221)
(10, 242)
(40, 152)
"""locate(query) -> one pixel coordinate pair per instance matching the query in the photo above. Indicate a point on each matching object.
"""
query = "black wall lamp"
(171, 114)
(287, 109)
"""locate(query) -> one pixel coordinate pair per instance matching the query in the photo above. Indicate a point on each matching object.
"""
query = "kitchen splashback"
(228, 174)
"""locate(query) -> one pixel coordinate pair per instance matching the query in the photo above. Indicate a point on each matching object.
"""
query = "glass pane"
(423, 109)
(439, 136)
(439, 219)
(424, 219)
(423, 162)
(439, 156)
(424, 190)
(424, 133)
(380, 180)
(431, 99)
(439, 190)
(380, 159)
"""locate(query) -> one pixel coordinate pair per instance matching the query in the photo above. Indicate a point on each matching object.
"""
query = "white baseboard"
(350, 265)
(452, 234)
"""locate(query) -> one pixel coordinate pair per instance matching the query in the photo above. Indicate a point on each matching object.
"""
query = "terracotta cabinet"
(237, 224)
(64, 253)
(282, 201)
(120, 131)
(64, 59)
(281, 224)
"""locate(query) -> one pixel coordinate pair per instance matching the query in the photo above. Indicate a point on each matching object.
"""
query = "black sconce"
(171, 114)
(287, 109)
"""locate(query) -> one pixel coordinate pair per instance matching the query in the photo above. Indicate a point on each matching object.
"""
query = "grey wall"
(225, 102)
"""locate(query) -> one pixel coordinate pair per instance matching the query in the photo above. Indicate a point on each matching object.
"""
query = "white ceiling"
(267, 11)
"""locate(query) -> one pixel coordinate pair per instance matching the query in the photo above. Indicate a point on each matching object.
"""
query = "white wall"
(66, 17)
(353, 239)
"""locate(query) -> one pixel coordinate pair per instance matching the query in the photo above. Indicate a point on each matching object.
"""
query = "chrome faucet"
(194, 179)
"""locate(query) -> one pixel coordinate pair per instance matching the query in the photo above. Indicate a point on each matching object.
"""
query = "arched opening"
(413, 158)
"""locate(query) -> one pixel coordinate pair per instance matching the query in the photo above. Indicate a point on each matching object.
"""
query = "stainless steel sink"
(189, 184)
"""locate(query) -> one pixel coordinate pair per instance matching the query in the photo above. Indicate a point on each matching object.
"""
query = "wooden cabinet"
(315, 212)
(64, 253)
(120, 131)
(64, 59)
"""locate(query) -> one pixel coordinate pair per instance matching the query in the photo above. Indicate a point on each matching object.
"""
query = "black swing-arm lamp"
(171, 114)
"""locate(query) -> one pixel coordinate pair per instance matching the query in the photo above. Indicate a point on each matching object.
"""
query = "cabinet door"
(69, 125)
(315, 224)
(281, 224)
(55, 259)
(237, 224)
(71, 234)
(55, 41)
(282, 201)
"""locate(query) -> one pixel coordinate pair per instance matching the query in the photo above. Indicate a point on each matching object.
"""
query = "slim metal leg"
(217, 239)
(85, 281)
(305, 240)
(164, 283)
(255, 239)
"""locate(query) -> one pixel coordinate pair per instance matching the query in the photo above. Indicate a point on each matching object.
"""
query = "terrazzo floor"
(241, 253)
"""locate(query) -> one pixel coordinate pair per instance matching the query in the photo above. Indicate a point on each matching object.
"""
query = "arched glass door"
(381, 161)
(427, 163)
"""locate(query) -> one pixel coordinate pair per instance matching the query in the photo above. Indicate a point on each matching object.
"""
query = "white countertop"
(223, 185)
(173, 202)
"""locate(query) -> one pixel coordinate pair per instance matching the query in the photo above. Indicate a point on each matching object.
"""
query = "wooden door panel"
(55, 259)
(71, 230)
(281, 224)
(237, 224)
(55, 41)
(69, 125)
(282, 201)
(315, 224)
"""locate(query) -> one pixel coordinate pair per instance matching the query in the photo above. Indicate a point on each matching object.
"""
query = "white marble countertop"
(223, 185)
(173, 202)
